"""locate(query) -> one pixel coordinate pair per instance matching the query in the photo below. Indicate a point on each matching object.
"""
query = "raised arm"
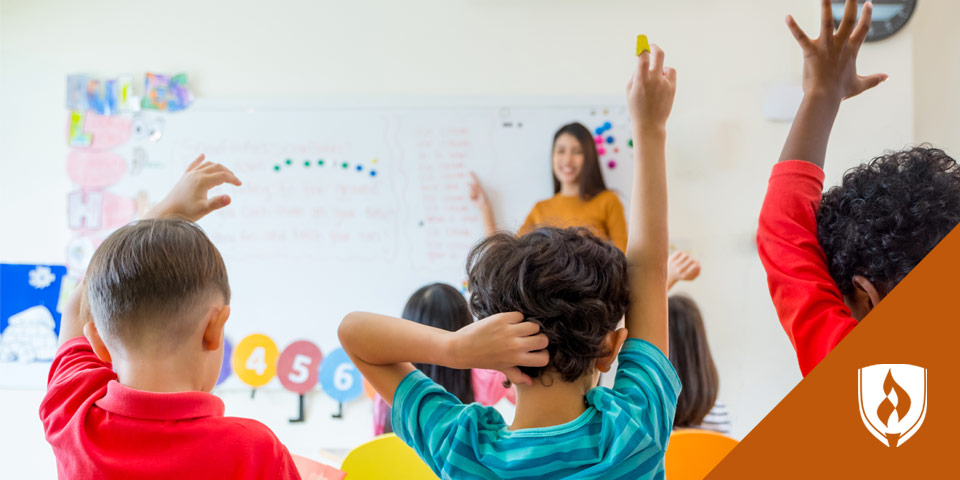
(809, 304)
(384, 348)
(187, 199)
(650, 93)
(829, 77)
(479, 198)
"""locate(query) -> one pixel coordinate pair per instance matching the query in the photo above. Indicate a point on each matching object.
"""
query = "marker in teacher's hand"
(643, 45)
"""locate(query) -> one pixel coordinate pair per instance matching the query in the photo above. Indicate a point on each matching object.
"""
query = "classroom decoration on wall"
(29, 313)
(340, 378)
(255, 360)
(162, 92)
(298, 366)
(226, 367)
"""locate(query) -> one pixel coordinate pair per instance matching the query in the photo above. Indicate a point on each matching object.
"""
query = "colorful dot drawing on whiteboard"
(225, 367)
(29, 317)
(298, 366)
(339, 378)
(254, 360)
(307, 163)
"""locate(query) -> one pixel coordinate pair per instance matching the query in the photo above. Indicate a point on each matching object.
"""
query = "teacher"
(580, 199)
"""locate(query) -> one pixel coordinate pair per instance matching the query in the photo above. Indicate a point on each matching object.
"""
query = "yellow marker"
(642, 44)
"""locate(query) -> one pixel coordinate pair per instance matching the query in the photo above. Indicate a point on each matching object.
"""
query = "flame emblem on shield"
(893, 401)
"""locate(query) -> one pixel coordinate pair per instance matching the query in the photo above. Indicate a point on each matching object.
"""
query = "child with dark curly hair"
(830, 259)
(552, 301)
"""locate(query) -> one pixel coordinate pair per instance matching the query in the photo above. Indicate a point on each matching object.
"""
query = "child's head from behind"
(690, 356)
(158, 288)
(569, 281)
(884, 217)
(442, 306)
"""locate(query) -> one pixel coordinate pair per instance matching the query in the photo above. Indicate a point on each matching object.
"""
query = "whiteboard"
(353, 204)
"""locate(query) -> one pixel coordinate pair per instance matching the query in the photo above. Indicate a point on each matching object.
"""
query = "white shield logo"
(893, 401)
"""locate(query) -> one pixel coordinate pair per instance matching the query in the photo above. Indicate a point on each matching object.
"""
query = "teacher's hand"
(477, 194)
(479, 199)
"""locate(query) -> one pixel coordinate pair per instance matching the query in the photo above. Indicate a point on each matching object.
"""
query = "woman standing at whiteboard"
(580, 199)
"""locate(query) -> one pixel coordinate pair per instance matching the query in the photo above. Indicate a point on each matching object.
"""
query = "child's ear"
(613, 341)
(213, 333)
(93, 336)
(865, 296)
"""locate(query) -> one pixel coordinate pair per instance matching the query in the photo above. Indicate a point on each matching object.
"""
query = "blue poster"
(29, 318)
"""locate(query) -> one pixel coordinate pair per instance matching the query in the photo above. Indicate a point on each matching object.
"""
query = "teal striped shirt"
(622, 435)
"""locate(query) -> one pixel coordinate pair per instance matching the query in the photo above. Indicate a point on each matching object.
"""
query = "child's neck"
(165, 374)
(546, 406)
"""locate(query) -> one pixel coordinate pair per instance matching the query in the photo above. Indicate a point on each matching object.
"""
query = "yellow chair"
(692, 453)
(385, 457)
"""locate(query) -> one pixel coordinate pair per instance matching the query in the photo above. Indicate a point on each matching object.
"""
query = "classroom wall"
(729, 55)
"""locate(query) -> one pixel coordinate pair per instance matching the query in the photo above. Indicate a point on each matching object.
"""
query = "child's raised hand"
(682, 266)
(650, 90)
(830, 61)
(188, 198)
(501, 342)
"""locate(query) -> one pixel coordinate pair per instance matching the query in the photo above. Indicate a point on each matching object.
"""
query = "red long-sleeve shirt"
(808, 301)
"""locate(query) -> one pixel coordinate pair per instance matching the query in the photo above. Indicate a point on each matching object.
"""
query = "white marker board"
(386, 212)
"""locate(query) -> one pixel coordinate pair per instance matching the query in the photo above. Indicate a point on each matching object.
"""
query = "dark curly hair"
(568, 280)
(887, 214)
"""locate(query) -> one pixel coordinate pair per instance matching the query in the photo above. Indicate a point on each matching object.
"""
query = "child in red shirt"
(830, 260)
(141, 348)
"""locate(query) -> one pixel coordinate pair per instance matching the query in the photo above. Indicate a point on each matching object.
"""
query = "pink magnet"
(598, 139)
(612, 164)
(601, 151)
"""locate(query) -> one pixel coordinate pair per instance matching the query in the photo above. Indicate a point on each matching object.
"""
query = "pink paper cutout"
(94, 168)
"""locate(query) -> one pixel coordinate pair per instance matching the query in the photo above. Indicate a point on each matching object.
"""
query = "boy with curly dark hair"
(831, 258)
(552, 301)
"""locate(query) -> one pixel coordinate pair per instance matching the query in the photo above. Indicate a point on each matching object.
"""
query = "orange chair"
(385, 457)
(692, 454)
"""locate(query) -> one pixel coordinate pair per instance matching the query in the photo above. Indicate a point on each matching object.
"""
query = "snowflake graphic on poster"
(41, 277)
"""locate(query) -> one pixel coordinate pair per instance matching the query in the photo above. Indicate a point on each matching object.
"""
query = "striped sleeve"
(717, 419)
(646, 378)
(426, 417)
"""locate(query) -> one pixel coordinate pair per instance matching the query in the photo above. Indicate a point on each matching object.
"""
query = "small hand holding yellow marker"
(643, 45)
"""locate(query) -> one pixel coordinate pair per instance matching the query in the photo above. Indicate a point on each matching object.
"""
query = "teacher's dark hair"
(591, 178)
(690, 356)
(442, 306)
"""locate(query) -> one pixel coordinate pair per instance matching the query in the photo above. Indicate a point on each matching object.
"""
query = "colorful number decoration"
(339, 378)
(298, 366)
(225, 370)
(255, 360)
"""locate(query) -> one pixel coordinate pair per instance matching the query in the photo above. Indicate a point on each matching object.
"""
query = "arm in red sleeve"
(807, 300)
